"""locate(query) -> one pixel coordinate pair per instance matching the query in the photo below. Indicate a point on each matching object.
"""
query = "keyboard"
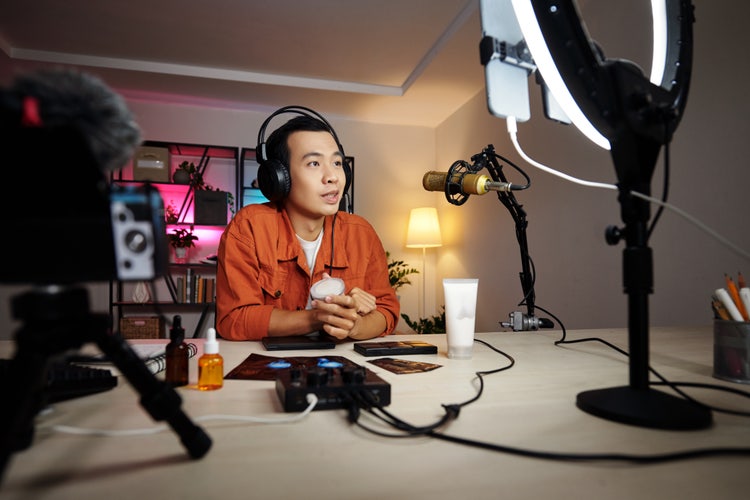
(67, 381)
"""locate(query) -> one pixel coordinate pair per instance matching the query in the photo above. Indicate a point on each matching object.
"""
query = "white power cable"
(513, 132)
(312, 399)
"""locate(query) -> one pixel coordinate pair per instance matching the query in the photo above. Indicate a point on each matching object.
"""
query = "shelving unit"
(220, 168)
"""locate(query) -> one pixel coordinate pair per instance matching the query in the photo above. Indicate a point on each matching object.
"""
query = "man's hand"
(344, 315)
(339, 315)
(364, 302)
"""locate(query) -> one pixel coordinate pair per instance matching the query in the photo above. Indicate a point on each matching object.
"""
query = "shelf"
(192, 265)
(219, 167)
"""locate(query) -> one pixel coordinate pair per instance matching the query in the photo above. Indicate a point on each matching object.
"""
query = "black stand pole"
(637, 403)
(57, 319)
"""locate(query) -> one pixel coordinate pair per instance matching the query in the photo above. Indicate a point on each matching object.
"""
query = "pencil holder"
(732, 350)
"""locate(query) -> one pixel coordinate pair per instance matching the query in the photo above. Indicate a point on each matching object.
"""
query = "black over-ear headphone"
(274, 179)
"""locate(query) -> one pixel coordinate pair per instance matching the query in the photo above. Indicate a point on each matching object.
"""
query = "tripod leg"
(158, 398)
(58, 319)
(22, 391)
(50, 327)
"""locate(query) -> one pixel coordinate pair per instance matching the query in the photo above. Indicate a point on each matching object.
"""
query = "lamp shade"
(424, 228)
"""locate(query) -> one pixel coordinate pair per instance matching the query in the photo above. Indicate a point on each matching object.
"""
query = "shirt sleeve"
(378, 284)
(238, 286)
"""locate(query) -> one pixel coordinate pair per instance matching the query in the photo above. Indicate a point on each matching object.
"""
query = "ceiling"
(405, 62)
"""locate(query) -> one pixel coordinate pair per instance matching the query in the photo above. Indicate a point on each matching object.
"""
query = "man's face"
(317, 172)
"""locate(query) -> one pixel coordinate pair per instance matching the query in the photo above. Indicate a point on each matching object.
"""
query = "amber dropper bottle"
(210, 364)
(177, 355)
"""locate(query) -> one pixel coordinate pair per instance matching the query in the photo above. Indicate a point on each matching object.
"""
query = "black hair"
(277, 146)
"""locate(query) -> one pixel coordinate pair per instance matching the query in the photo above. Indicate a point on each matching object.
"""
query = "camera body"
(72, 225)
(138, 232)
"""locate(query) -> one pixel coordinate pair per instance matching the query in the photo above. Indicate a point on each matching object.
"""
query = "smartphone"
(391, 348)
(300, 342)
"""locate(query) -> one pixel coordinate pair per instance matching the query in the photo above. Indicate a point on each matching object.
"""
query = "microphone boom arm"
(488, 159)
(461, 181)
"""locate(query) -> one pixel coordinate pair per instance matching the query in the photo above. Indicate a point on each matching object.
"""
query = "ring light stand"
(638, 118)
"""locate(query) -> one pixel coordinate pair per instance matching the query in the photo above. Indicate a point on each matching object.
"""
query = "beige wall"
(579, 277)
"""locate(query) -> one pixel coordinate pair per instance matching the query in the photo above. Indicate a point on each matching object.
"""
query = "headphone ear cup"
(274, 180)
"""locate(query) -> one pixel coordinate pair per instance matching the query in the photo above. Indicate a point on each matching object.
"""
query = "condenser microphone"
(463, 183)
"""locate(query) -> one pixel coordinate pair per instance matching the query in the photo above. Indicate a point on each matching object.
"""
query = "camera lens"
(136, 241)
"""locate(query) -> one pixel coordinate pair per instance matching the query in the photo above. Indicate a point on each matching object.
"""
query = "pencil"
(741, 281)
(728, 303)
(735, 295)
(719, 310)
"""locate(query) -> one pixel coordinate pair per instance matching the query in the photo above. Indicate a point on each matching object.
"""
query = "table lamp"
(424, 233)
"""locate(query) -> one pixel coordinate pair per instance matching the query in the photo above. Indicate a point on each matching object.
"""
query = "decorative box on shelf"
(142, 327)
(151, 164)
(211, 207)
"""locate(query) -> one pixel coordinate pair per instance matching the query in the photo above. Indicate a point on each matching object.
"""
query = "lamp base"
(644, 408)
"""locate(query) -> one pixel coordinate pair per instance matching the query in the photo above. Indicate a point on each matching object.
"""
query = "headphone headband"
(300, 110)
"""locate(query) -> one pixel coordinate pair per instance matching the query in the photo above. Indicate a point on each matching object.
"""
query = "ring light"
(619, 109)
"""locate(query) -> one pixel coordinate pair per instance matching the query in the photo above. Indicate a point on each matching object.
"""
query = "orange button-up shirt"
(261, 266)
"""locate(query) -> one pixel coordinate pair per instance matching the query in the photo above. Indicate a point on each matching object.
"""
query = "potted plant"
(435, 324)
(398, 271)
(184, 173)
(187, 173)
(171, 215)
(181, 239)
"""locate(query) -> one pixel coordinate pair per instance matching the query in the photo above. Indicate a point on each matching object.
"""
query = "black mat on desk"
(261, 367)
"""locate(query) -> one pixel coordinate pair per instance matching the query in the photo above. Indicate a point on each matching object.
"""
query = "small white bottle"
(210, 364)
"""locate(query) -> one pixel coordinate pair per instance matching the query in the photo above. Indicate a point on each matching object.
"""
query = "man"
(271, 254)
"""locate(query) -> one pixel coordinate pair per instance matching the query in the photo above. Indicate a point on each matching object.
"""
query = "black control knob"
(352, 375)
(317, 377)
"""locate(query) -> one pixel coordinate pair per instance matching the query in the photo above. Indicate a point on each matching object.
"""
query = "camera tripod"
(57, 319)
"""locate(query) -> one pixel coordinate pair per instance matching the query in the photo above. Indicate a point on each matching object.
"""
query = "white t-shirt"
(310, 248)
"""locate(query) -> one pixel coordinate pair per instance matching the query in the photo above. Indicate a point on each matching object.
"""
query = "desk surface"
(531, 406)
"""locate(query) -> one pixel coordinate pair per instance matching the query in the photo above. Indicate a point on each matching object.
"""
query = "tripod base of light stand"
(644, 408)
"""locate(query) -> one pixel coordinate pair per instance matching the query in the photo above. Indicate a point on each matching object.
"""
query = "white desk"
(530, 406)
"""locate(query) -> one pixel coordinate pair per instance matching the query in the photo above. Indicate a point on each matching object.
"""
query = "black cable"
(716, 387)
(451, 410)
(675, 386)
(591, 457)
(518, 169)
(333, 229)
(665, 189)
(410, 431)
(532, 279)
(548, 313)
